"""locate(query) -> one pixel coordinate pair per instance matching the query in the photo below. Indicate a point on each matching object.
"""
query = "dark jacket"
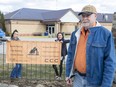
(64, 47)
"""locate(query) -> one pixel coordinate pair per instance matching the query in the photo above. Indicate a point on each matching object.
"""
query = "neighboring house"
(37, 21)
(105, 20)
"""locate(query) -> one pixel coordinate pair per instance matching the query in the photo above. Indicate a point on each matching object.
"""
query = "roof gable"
(69, 17)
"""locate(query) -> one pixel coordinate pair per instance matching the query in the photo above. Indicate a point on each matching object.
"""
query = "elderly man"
(91, 53)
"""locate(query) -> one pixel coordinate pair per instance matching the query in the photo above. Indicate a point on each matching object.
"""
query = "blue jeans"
(80, 81)
(16, 72)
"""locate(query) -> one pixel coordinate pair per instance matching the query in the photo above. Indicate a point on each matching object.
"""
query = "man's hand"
(68, 81)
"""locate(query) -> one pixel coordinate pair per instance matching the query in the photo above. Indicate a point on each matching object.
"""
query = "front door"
(50, 29)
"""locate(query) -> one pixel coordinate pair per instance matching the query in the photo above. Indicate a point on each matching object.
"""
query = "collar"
(83, 31)
(77, 34)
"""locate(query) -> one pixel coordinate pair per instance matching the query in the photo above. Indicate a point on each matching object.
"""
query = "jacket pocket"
(99, 44)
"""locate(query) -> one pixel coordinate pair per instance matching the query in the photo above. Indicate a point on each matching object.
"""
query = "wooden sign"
(33, 52)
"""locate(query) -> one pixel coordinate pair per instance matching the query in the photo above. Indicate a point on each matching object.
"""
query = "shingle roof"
(26, 14)
(55, 15)
(37, 14)
(50, 15)
(103, 17)
(9, 15)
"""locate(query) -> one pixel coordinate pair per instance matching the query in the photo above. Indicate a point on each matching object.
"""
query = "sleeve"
(66, 41)
(69, 58)
(109, 63)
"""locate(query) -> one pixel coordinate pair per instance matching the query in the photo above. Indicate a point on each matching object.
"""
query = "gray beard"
(86, 25)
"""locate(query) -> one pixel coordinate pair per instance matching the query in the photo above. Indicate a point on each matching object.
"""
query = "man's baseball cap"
(88, 9)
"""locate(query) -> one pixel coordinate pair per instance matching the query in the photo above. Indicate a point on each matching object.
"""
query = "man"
(91, 53)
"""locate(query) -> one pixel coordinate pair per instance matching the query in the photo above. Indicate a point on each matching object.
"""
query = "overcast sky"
(103, 6)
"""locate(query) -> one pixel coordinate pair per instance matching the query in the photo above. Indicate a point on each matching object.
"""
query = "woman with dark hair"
(16, 72)
(60, 38)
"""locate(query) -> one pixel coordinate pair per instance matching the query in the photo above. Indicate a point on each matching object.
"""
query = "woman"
(60, 38)
(16, 72)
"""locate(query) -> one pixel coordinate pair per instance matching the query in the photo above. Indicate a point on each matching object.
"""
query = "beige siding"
(36, 27)
(68, 27)
(107, 25)
(7, 25)
(27, 27)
